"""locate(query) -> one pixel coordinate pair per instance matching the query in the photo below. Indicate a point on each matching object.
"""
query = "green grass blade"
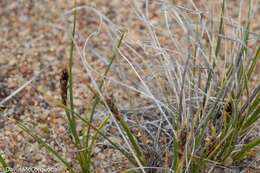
(253, 63)
(255, 94)
(255, 104)
(119, 117)
(252, 119)
(97, 98)
(175, 160)
(102, 124)
(72, 122)
(132, 140)
(116, 146)
(82, 155)
(211, 71)
(245, 149)
(220, 31)
(4, 165)
(45, 145)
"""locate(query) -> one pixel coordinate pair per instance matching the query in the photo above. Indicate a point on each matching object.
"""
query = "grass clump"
(200, 120)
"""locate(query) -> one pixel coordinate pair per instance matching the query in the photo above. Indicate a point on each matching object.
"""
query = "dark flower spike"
(63, 85)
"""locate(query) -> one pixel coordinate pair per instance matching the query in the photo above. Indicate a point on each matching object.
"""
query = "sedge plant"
(205, 121)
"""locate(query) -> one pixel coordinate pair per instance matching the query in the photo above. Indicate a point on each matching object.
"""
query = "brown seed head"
(63, 85)
(110, 102)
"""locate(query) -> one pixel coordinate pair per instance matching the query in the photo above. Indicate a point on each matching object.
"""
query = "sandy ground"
(34, 44)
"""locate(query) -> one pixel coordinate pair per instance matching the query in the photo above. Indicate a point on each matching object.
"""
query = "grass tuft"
(201, 111)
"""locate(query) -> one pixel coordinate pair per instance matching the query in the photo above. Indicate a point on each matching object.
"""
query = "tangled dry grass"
(174, 93)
